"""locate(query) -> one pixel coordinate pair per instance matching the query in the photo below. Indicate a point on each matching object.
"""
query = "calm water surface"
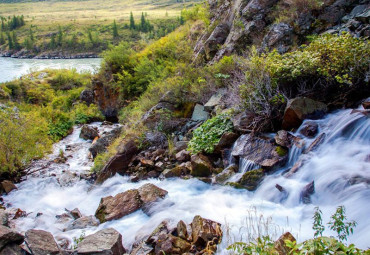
(11, 68)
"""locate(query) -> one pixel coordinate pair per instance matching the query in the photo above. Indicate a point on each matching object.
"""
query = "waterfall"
(339, 167)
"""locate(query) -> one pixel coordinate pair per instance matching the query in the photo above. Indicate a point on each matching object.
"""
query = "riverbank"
(25, 54)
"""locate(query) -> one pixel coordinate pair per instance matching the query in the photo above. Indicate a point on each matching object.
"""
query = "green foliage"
(114, 29)
(338, 224)
(23, 137)
(337, 58)
(77, 240)
(198, 12)
(12, 23)
(317, 223)
(262, 246)
(209, 133)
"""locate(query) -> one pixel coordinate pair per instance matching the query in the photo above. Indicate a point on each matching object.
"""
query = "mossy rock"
(281, 151)
(235, 185)
(251, 179)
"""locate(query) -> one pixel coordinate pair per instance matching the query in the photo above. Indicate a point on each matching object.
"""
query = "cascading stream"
(340, 168)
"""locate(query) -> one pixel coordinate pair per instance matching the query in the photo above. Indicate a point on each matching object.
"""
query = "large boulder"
(243, 122)
(251, 179)
(199, 113)
(215, 100)
(222, 177)
(201, 166)
(89, 132)
(261, 151)
(8, 236)
(119, 162)
(41, 242)
(307, 192)
(309, 129)
(12, 249)
(106, 241)
(122, 204)
(301, 108)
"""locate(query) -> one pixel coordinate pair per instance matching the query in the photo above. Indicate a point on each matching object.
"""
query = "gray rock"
(308, 190)
(222, 177)
(309, 129)
(12, 249)
(100, 145)
(280, 37)
(107, 241)
(87, 96)
(41, 242)
(83, 222)
(8, 186)
(4, 217)
(216, 39)
(215, 100)
(199, 114)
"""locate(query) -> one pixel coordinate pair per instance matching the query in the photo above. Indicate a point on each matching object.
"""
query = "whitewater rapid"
(344, 154)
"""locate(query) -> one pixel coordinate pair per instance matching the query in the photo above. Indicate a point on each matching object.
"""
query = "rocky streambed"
(192, 208)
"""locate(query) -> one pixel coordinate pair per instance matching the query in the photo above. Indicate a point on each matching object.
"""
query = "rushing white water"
(12, 68)
(343, 155)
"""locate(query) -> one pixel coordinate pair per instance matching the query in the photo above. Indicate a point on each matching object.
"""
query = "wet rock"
(142, 249)
(251, 179)
(295, 168)
(280, 37)
(63, 242)
(280, 245)
(64, 218)
(9, 236)
(222, 177)
(283, 138)
(216, 39)
(12, 249)
(150, 193)
(4, 217)
(101, 144)
(182, 156)
(172, 245)
(308, 190)
(182, 230)
(204, 232)
(8, 186)
(107, 98)
(309, 129)
(76, 214)
(122, 204)
(181, 145)
(119, 162)
(19, 213)
(68, 178)
(301, 108)
(41, 242)
(258, 150)
(146, 162)
(177, 171)
(201, 166)
(89, 132)
(112, 208)
(199, 114)
(156, 139)
(316, 143)
(106, 241)
(83, 222)
(87, 96)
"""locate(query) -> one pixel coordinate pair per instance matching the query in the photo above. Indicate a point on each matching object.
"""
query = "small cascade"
(339, 167)
(245, 165)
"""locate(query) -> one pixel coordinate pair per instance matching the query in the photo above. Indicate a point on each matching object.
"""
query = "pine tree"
(31, 35)
(2, 39)
(52, 42)
(132, 22)
(143, 25)
(10, 41)
(89, 35)
(115, 30)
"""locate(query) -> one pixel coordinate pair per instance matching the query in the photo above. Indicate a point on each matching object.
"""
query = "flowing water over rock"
(339, 167)
(12, 68)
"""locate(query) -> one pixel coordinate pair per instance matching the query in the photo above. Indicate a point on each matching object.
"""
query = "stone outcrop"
(106, 241)
(122, 204)
(41, 242)
(8, 186)
(201, 166)
(100, 145)
(258, 150)
(83, 222)
(200, 237)
(301, 108)
(251, 179)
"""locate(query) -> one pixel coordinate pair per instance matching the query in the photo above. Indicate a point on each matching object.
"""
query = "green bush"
(209, 133)
(23, 137)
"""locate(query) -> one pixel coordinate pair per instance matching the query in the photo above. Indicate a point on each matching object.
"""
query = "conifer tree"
(115, 30)
(10, 41)
(16, 44)
(143, 24)
(132, 22)
(60, 37)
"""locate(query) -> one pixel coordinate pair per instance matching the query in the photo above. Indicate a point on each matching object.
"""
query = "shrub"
(84, 114)
(23, 137)
(209, 133)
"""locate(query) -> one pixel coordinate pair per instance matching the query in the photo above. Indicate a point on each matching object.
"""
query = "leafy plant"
(77, 240)
(209, 133)
(339, 224)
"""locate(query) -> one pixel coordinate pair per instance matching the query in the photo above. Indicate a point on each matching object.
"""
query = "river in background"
(11, 68)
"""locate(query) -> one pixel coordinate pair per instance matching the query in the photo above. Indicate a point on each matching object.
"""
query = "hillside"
(244, 131)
